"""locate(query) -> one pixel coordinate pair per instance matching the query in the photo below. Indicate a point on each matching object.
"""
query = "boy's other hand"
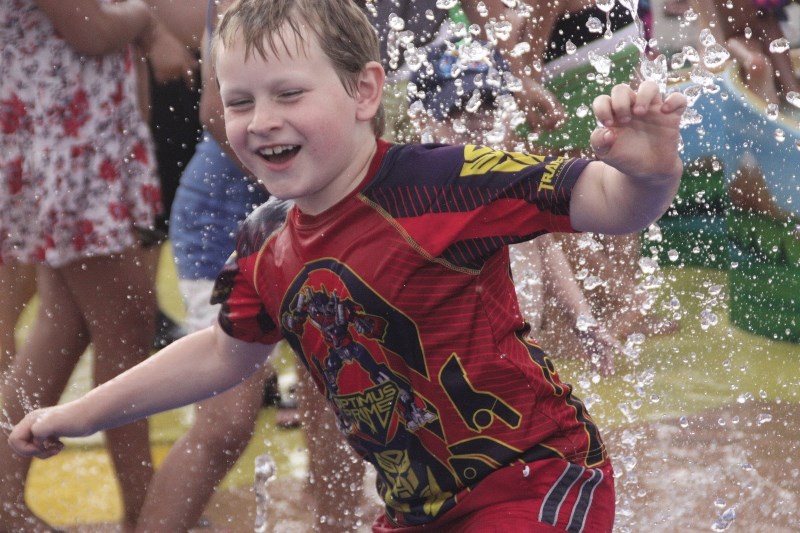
(639, 133)
(36, 435)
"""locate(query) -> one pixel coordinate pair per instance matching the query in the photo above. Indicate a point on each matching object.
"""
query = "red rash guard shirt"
(400, 303)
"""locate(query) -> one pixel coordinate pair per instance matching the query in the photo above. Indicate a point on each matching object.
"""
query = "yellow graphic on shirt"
(404, 483)
(480, 160)
(372, 408)
(396, 466)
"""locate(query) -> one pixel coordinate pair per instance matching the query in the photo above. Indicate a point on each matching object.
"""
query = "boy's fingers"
(675, 102)
(601, 140)
(648, 94)
(622, 100)
(602, 110)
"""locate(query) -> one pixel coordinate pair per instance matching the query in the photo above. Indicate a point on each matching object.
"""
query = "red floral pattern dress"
(76, 166)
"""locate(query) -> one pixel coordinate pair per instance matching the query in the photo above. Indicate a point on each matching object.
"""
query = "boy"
(389, 278)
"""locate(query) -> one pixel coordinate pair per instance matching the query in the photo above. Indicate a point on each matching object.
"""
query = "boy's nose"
(264, 119)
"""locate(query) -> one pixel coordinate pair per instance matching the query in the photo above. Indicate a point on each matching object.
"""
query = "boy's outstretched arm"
(192, 368)
(638, 170)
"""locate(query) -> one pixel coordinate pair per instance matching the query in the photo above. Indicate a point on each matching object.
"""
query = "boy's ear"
(370, 90)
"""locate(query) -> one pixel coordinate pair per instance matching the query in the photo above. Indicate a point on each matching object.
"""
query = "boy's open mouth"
(279, 154)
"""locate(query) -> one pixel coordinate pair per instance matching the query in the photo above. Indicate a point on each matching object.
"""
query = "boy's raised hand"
(640, 133)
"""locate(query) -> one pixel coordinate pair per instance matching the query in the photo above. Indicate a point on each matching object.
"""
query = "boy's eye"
(237, 103)
(292, 93)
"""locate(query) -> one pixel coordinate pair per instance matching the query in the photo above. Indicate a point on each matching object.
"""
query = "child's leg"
(36, 378)
(18, 285)
(200, 459)
(336, 475)
(117, 298)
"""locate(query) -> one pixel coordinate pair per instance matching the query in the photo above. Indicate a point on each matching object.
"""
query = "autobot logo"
(372, 408)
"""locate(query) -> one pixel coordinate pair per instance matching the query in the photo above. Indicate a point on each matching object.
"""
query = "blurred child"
(747, 28)
(79, 192)
(469, 102)
(390, 280)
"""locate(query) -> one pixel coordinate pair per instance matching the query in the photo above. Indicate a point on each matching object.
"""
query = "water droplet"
(744, 398)
(715, 55)
(520, 49)
(605, 5)
(779, 46)
(673, 255)
(706, 37)
(772, 111)
(708, 319)
(570, 48)
(648, 265)
(446, 4)
(763, 418)
(654, 233)
(748, 32)
(690, 15)
(655, 70)
(594, 25)
(414, 58)
(396, 22)
(601, 64)
(582, 111)
(691, 54)
(724, 521)
(592, 282)
(683, 422)
(701, 76)
(779, 135)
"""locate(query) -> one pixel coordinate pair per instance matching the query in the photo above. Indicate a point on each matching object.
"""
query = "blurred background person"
(79, 190)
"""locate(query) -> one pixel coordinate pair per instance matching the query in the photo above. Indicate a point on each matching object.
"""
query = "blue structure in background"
(761, 251)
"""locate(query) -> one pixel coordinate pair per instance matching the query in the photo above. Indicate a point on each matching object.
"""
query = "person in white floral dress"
(77, 188)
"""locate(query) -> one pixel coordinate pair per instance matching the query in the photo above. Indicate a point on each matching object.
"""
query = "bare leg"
(36, 377)
(198, 462)
(117, 298)
(18, 285)
(336, 475)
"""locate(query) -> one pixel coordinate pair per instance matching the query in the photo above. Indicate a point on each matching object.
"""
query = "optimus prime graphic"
(334, 317)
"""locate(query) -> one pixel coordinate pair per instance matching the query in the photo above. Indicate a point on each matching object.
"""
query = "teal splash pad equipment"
(764, 252)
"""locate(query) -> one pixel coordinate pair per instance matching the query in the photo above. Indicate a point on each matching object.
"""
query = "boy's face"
(291, 122)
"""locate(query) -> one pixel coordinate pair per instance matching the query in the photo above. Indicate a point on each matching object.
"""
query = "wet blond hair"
(341, 27)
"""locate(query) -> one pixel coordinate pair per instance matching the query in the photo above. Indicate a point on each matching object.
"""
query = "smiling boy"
(389, 279)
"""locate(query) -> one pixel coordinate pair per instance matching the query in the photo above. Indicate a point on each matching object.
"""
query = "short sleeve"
(243, 312)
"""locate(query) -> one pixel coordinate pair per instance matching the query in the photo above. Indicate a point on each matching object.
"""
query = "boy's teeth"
(275, 150)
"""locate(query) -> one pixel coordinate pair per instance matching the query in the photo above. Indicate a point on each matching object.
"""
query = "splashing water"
(266, 471)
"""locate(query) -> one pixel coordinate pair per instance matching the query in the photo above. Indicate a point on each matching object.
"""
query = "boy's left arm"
(638, 168)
